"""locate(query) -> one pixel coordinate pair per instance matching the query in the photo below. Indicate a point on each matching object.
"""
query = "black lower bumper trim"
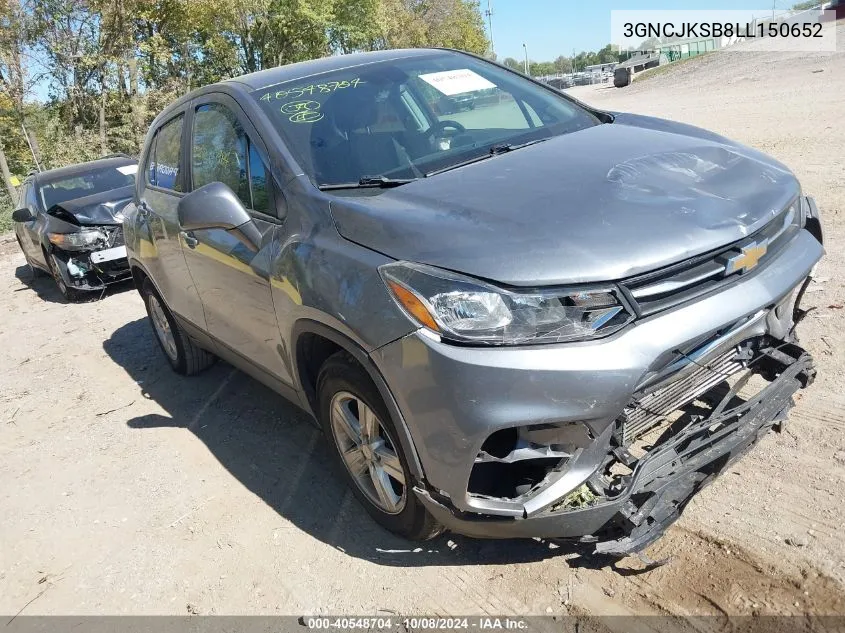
(668, 477)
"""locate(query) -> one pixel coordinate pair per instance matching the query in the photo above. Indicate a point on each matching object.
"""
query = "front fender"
(137, 232)
(307, 326)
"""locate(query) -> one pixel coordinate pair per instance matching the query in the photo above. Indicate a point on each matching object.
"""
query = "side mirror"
(22, 215)
(213, 206)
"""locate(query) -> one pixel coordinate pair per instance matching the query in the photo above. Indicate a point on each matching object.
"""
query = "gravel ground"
(127, 489)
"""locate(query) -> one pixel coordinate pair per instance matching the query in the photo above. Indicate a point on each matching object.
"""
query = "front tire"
(358, 425)
(34, 270)
(183, 354)
(70, 294)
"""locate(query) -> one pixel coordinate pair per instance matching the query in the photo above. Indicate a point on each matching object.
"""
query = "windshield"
(408, 117)
(81, 185)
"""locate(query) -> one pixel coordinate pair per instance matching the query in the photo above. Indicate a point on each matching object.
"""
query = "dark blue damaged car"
(68, 223)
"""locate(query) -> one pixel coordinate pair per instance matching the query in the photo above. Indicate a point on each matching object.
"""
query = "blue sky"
(551, 28)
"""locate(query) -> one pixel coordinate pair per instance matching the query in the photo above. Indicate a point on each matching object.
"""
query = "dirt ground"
(127, 489)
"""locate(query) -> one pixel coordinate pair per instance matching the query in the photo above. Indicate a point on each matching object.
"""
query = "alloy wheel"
(162, 328)
(368, 452)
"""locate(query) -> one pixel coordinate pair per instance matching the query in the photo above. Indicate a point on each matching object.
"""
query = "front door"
(28, 231)
(231, 271)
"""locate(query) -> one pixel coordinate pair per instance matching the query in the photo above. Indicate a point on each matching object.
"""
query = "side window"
(150, 167)
(219, 150)
(222, 152)
(166, 167)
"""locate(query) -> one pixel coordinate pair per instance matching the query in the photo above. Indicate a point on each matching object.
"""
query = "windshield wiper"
(382, 182)
(504, 148)
(495, 150)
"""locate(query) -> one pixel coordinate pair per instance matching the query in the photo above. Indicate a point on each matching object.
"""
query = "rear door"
(162, 187)
(231, 272)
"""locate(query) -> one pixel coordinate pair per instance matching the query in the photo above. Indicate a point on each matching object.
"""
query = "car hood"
(599, 204)
(98, 209)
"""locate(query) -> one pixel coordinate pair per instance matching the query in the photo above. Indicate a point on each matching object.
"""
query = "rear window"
(55, 192)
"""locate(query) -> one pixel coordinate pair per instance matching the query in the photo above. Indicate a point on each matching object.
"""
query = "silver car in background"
(528, 319)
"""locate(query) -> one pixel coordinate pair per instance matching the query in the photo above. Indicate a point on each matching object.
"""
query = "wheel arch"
(313, 343)
(139, 275)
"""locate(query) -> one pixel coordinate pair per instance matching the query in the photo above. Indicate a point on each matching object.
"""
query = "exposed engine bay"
(100, 262)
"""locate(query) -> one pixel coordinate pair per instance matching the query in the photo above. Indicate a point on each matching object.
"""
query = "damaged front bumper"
(515, 442)
(94, 268)
(624, 513)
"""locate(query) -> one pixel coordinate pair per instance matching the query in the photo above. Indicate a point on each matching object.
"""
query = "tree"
(563, 65)
(510, 62)
(447, 23)
(67, 37)
(607, 55)
(16, 82)
(540, 69)
(357, 25)
(111, 65)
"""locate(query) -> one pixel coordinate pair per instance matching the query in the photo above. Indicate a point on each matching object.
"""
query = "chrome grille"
(647, 412)
(695, 277)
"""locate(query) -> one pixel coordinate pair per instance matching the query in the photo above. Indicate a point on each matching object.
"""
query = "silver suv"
(531, 318)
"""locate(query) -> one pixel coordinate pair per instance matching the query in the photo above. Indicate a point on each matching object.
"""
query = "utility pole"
(489, 14)
(31, 148)
(526, 58)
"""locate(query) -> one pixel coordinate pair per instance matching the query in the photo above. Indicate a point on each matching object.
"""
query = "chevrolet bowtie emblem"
(748, 257)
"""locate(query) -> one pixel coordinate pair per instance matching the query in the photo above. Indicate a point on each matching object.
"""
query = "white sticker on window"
(128, 169)
(453, 82)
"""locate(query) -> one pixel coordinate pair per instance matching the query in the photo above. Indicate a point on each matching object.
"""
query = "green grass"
(5, 219)
(665, 68)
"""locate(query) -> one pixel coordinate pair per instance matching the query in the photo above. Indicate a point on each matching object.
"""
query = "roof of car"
(81, 168)
(300, 70)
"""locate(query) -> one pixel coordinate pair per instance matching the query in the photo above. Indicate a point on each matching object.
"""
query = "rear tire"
(347, 401)
(183, 354)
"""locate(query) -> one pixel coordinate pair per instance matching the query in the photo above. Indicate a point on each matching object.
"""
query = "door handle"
(189, 238)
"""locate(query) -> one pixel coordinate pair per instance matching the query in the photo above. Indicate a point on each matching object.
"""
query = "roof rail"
(115, 155)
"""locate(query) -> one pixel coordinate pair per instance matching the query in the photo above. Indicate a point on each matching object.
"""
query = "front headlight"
(79, 240)
(467, 310)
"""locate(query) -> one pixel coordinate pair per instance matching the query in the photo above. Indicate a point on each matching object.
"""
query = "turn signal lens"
(413, 305)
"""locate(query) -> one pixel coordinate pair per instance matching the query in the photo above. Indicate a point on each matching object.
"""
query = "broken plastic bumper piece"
(621, 514)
